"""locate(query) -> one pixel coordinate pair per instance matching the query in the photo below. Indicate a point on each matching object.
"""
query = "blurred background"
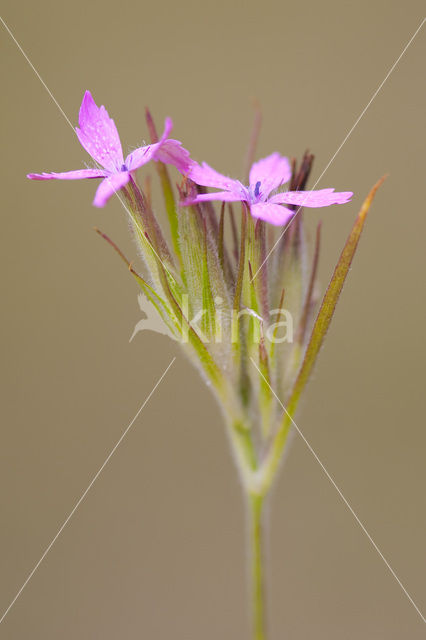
(157, 548)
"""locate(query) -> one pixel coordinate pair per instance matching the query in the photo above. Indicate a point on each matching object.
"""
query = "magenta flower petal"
(272, 172)
(98, 134)
(69, 175)
(109, 186)
(143, 155)
(140, 156)
(223, 196)
(320, 198)
(165, 150)
(168, 126)
(272, 213)
(172, 152)
(208, 177)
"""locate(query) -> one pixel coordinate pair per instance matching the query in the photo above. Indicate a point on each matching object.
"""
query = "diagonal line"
(36, 72)
(84, 494)
(345, 139)
(342, 496)
(135, 222)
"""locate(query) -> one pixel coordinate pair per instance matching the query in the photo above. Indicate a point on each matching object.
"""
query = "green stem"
(256, 512)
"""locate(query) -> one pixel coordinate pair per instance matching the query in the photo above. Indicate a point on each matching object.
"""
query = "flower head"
(266, 176)
(98, 134)
(244, 319)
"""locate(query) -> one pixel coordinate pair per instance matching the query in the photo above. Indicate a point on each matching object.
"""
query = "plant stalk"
(256, 514)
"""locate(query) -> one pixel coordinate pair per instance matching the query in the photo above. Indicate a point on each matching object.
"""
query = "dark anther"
(257, 190)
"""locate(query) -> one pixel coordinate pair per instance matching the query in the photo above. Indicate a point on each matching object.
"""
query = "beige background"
(156, 551)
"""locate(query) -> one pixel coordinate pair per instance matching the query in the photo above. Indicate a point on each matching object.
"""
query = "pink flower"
(99, 136)
(266, 176)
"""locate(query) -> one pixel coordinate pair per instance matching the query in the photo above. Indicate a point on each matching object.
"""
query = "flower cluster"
(233, 288)
(98, 134)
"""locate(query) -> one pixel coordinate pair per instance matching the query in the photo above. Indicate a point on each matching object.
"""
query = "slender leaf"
(208, 321)
(191, 241)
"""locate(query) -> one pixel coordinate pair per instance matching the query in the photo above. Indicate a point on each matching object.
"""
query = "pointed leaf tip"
(151, 126)
(369, 199)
